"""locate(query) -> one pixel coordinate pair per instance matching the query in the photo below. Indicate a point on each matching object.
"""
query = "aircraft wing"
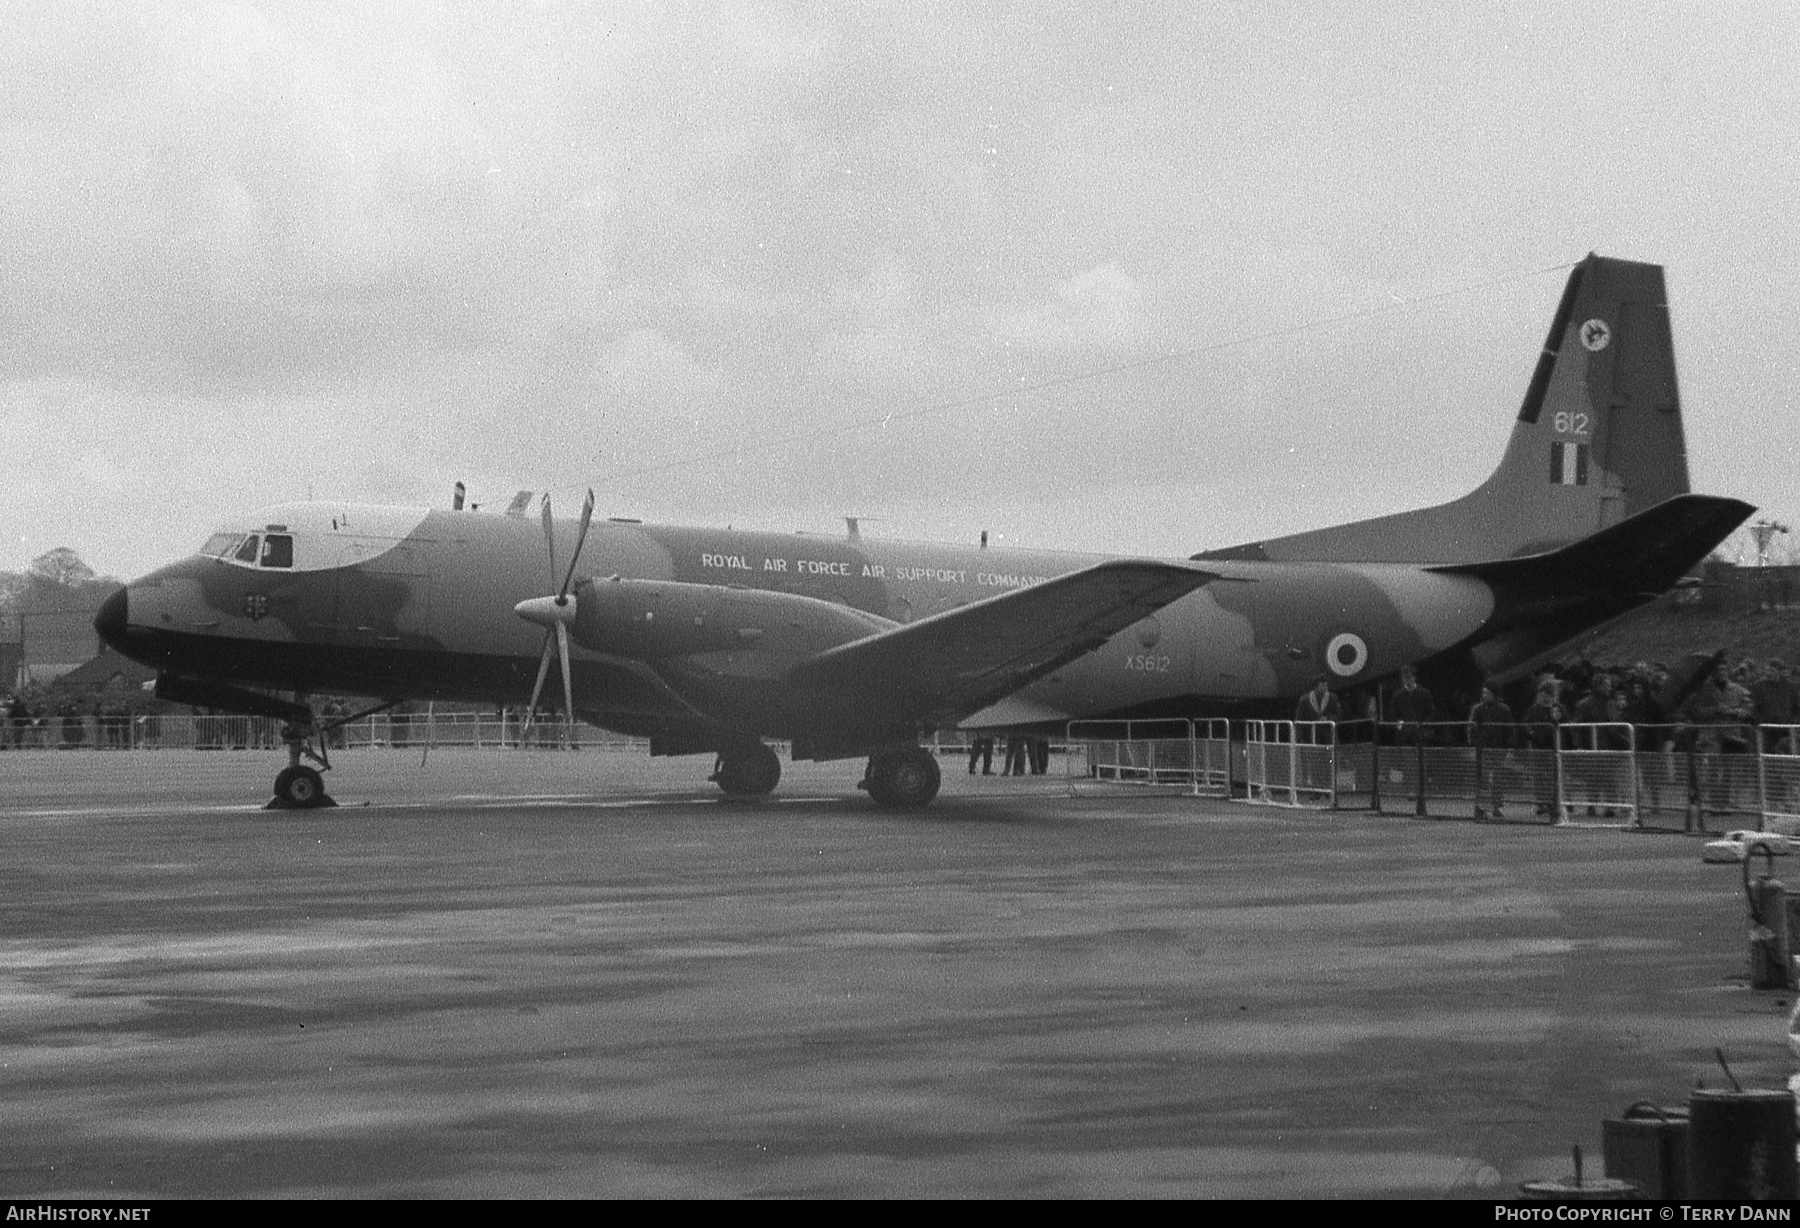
(957, 662)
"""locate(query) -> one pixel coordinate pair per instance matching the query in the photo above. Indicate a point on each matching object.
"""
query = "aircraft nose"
(110, 621)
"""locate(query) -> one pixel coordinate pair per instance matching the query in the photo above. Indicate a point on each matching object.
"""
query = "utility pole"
(1763, 532)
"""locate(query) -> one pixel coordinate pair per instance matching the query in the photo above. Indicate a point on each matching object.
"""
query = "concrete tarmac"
(538, 974)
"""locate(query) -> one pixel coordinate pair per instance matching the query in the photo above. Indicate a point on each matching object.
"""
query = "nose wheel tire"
(903, 779)
(299, 788)
(749, 771)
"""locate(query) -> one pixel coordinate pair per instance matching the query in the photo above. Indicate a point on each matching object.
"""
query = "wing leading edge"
(948, 665)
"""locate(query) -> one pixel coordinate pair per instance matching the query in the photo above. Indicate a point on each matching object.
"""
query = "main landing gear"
(903, 779)
(751, 770)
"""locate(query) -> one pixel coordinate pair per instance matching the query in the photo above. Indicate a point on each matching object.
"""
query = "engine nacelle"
(652, 619)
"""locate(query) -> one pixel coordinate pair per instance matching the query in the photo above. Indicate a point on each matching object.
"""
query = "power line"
(1147, 362)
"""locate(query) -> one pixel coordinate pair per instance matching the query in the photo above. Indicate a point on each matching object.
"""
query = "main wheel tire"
(300, 788)
(751, 771)
(904, 780)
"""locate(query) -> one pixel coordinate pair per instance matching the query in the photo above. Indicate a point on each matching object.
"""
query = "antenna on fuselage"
(456, 499)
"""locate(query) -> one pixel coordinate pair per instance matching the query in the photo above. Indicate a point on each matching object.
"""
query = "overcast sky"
(767, 264)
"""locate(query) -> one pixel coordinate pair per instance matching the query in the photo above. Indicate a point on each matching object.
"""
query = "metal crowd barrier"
(1596, 775)
(1194, 757)
(1692, 777)
(1291, 763)
(1685, 777)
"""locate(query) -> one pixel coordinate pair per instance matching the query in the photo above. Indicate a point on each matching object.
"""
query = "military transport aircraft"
(717, 641)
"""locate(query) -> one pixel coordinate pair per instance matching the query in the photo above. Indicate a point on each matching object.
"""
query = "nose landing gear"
(298, 787)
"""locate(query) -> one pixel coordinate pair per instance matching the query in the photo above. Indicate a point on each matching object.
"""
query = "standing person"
(1651, 739)
(1599, 708)
(1738, 709)
(1774, 701)
(981, 748)
(1596, 707)
(1490, 733)
(1015, 756)
(18, 719)
(1411, 706)
(1542, 720)
(1715, 711)
(1317, 708)
(1318, 704)
(1040, 756)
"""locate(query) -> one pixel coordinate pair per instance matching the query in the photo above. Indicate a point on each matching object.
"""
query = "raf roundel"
(1346, 654)
(1595, 334)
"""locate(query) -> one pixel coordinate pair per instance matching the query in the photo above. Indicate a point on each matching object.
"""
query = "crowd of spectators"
(1718, 708)
(47, 716)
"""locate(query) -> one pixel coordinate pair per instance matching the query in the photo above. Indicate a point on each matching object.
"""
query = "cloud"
(205, 205)
(1101, 309)
(643, 371)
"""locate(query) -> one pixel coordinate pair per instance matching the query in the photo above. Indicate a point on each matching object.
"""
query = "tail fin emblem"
(1568, 464)
(1595, 334)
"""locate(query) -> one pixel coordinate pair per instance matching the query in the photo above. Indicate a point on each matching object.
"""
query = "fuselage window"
(247, 552)
(278, 550)
(219, 544)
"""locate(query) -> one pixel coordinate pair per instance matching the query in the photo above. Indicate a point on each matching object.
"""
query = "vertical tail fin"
(1598, 439)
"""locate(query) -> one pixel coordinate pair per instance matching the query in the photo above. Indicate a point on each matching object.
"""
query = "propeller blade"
(537, 688)
(562, 651)
(549, 534)
(555, 614)
(587, 516)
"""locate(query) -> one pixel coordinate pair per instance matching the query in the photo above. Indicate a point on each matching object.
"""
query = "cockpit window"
(219, 544)
(278, 550)
(247, 552)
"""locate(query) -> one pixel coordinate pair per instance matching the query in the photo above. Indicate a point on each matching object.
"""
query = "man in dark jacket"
(1542, 721)
(1410, 705)
(1775, 701)
(1603, 708)
(1490, 733)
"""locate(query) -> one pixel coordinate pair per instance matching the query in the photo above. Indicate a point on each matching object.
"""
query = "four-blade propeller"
(555, 614)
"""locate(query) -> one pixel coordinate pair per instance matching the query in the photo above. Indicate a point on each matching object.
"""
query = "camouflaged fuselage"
(418, 604)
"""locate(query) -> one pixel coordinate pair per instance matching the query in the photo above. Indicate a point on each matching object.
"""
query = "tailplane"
(1598, 440)
(1542, 602)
